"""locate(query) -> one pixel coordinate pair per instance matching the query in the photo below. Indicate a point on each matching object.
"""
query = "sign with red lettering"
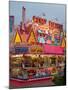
(53, 25)
(39, 20)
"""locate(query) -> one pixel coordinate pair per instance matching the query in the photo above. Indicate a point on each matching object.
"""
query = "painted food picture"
(37, 44)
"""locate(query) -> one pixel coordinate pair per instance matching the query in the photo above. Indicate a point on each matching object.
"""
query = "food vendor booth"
(37, 58)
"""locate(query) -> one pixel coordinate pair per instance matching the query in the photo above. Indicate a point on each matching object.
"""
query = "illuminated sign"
(53, 25)
(19, 50)
(39, 20)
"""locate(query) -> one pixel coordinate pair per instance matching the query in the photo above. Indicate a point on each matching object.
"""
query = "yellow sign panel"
(31, 38)
(17, 38)
(63, 43)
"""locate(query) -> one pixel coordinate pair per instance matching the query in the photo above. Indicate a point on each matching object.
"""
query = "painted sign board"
(19, 50)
